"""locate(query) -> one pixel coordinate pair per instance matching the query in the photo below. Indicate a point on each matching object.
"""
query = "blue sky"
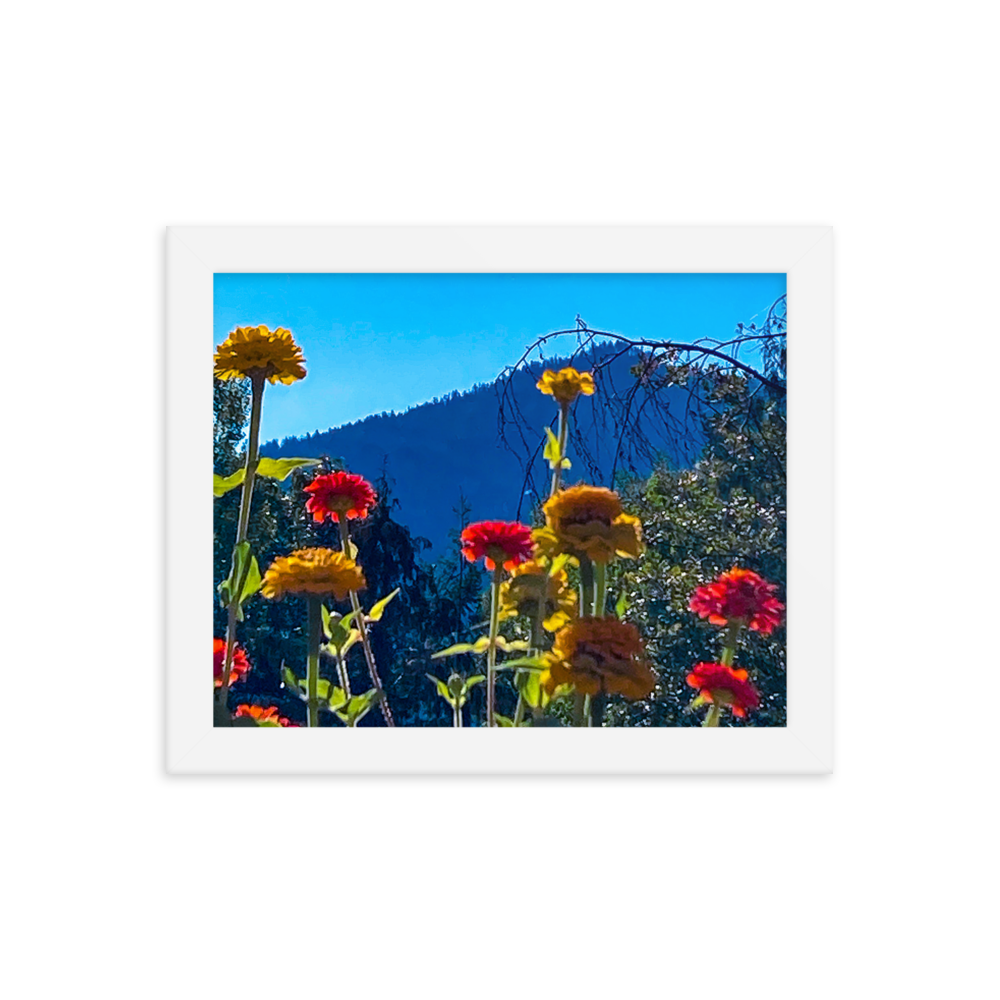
(375, 342)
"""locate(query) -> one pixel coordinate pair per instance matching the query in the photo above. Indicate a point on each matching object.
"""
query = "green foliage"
(728, 510)
(281, 468)
(223, 484)
(552, 453)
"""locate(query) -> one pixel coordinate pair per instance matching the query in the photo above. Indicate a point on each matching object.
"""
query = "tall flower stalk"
(345, 544)
(312, 575)
(501, 545)
(261, 355)
(491, 654)
(246, 497)
(314, 626)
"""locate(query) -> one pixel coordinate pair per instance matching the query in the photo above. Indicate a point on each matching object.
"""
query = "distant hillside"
(440, 449)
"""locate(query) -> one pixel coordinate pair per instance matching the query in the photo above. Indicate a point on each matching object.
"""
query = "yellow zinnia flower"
(530, 583)
(256, 350)
(599, 655)
(566, 384)
(312, 573)
(588, 521)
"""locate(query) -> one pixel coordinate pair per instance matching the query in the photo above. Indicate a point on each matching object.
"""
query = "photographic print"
(500, 500)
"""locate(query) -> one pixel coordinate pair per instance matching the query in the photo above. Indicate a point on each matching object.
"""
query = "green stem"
(601, 592)
(359, 618)
(730, 640)
(713, 715)
(491, 656)
(345, 679)
(256, 398)
(563, 432)
(579, 709)
(519, 711)
(586, 586)
(315, 631)
(456, 713)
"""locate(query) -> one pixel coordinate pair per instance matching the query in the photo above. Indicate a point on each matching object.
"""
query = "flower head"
(237, 668)
(262, 716)
(565, 385)
(339, 494)
(739, 597)
(312, 573)
(506, 542)
(589, 521)
(530, 583)
(599, 654)
(256, 350)
(725, 686)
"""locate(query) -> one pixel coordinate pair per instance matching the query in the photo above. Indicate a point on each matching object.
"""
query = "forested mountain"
(455, 446)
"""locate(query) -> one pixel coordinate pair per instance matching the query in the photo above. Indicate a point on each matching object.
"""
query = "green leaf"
(502, 721)
(529, 684)
(474, 680)
(338, 635)
(558, 563)
(289, 679)
(524, 663)
(514, 646)
(244, 577)
(461, 647)
(279, 468)
(621, 606)
(359, 706)
(337, 698)
(379, 606)
(442, 688)
(222, 485)
(551, 453)
(252, 582)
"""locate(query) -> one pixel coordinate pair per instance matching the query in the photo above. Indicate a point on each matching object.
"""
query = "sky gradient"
(375, 342)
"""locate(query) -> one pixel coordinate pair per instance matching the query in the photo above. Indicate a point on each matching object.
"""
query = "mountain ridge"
(453, 446)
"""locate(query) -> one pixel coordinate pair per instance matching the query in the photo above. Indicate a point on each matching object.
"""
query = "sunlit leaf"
(529, 685)
(222, 485)
(442, 688)
(461, 647)
(279, 468)
(524, 663)
(621, 606)
(379, 606)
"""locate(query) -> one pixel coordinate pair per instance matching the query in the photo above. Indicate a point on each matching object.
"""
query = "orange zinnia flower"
(256, 351)
(566, 384)
(599, 654)
(588, 521)
(339, 494)
(725, 686)
(740, 597)
(315, 572)
(238, 667)
(507, 542)
(262, 716)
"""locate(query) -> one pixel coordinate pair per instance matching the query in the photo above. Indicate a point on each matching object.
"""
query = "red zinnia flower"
(238, 667)
(262, 716)
(339, 494)
(507, 542)
(722, 684)
(739, 596)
